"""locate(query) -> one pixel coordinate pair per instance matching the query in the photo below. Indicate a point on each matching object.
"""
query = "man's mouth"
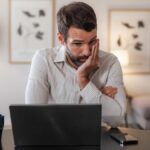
(83, 60)
(80, 61)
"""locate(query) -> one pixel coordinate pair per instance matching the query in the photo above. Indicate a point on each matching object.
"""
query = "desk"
(106, 144)
(142, 135)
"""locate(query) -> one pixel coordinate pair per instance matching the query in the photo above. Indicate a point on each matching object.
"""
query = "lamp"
(122, 56)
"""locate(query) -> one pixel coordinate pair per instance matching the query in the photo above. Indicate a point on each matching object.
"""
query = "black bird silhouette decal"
(138, 46)
(119, 41)
(141, 24)
(36, 25)
(19, 30)
(42, 13)
(127, 25)
(28, 14)
(135, 36)
(39, 35)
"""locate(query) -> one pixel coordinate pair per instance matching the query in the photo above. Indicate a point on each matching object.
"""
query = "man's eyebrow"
(93, 38)
(81, 41)
(77, 41)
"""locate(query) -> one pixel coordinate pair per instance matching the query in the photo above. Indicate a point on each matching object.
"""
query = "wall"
(13, 77)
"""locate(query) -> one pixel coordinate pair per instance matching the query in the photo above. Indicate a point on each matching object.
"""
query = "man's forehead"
(75, 34)
(81, 33)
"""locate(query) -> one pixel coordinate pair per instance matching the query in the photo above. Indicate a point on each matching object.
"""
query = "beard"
(76, 60)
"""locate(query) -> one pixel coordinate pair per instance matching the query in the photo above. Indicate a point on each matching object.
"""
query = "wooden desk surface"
(7, 140)
(106, 144)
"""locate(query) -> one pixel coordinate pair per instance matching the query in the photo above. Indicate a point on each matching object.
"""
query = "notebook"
(56, 125)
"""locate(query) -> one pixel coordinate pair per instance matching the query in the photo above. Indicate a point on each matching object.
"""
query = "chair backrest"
(1, 128)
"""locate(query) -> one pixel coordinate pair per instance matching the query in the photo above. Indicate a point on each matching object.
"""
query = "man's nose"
(87, 50)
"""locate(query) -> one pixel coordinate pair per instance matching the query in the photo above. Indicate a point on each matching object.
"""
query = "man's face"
(79, 44)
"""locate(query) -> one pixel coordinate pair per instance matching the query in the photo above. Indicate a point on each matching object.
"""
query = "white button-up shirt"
(53, 80)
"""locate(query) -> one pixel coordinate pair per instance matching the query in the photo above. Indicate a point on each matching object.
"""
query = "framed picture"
(30, 28)
(129, 30)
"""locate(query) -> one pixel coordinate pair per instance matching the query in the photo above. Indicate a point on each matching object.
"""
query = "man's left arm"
(112, 96)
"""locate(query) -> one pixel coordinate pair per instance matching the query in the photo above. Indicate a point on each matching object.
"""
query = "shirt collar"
(60, 55)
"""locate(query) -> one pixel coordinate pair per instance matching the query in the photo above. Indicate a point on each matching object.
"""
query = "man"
(77, 71)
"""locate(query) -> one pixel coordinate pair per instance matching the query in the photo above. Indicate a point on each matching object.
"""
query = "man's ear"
(60, 38)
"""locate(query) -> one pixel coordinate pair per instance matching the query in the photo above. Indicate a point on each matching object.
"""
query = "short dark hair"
(76, 14)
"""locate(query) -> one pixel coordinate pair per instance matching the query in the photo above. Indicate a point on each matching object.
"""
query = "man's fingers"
(96, 50)
(112, 94)
(109, 91)
(93, 52)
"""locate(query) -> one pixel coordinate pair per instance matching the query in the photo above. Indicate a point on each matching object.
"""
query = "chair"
(141, 111)
(1, 128)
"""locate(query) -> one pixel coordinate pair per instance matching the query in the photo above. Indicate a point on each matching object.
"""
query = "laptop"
(56, 125)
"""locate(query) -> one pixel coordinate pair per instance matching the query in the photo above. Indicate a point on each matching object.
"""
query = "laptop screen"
(56, 125)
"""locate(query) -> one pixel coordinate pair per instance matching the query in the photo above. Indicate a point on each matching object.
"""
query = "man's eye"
(78, 44)
(92, 42)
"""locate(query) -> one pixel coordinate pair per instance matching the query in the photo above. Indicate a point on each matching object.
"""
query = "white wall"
(13, 77)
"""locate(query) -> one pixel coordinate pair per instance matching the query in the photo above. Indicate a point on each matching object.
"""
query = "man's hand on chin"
(90, 65)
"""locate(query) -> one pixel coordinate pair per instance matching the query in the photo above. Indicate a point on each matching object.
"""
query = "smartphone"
(124, 138)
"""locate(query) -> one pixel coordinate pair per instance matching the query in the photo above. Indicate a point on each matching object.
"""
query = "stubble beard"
(74, 59)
